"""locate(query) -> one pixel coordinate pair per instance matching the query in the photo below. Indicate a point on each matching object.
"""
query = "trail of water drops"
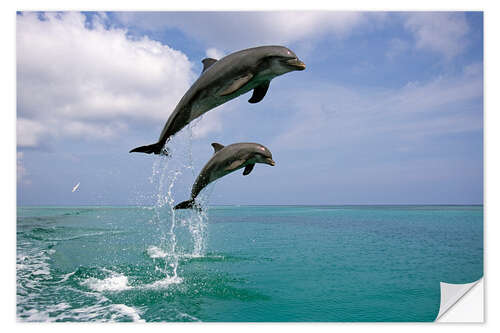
(183, 233)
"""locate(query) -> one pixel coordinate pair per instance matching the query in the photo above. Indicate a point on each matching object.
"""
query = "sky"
(388, 111)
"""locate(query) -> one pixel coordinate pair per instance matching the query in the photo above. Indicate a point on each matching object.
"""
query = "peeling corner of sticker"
(459, 304)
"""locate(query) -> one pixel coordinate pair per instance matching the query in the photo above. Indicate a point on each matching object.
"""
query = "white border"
(491, 123)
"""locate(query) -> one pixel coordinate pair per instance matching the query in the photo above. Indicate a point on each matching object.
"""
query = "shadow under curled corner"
(462, 302)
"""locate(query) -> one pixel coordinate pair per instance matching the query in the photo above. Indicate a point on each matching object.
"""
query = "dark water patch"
(62, 233)
(27, 223)
(79, 212)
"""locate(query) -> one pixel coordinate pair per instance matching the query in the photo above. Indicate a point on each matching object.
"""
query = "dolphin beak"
(297, 64)
(270, 161)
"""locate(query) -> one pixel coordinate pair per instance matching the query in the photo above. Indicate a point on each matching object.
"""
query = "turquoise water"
(248, 263)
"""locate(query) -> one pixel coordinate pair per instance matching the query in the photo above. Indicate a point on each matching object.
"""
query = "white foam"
(131, 312)
(96, 313)
(41, 272)
(193, 255)
(33, 270)
(182, 315)
(164, 283)
(116, 282)
(100, 311)
(156, 252)
(35, 315)
(66, 277)
(59, 307)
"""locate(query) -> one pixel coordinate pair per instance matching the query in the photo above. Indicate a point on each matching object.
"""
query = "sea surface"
(243, 263)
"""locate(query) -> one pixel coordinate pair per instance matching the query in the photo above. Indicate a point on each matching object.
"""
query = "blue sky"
(388, 111)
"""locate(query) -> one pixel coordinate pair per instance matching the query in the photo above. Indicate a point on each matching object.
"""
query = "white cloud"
(29, 132)
(207, 123)
(333, 116)
(236, 30)
(22, 173)
(440, 32)
(77, 81)
(214, 53)
(93, 130)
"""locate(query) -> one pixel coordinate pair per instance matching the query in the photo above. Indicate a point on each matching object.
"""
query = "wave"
(45, 298)
(46, 234)
(99, 312)
(115, 282)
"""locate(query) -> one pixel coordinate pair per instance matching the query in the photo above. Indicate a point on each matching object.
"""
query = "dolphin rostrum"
(226, 160)
(225, 79)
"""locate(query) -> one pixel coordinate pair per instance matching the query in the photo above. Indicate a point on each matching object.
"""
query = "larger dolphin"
(225, 79)
(226, 160)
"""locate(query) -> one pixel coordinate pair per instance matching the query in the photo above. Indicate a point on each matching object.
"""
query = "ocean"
(243, 263)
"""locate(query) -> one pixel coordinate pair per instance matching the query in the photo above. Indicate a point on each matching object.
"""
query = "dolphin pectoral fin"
(259, 92)
(237, 84)
(217, 146)
(248, 169)
(235, 165)
(207, 62)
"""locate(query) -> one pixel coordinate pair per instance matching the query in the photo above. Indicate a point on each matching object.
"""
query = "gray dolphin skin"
(226, 160)
(225, 79)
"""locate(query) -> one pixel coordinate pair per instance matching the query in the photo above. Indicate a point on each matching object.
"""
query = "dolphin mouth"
(296, 64)
(270, 161)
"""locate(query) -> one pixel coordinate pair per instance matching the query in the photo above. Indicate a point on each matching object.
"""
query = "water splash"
(164, 214)
(183, 232)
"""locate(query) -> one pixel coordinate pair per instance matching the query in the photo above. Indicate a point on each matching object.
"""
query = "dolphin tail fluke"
(186, 204)
(155, 148)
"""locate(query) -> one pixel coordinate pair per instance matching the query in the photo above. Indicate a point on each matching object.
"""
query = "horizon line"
(267, 205)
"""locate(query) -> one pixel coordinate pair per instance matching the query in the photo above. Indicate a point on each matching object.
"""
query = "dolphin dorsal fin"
(207, 62)
(217, 146)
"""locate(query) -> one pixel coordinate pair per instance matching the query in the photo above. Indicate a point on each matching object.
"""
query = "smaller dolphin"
(226, 160)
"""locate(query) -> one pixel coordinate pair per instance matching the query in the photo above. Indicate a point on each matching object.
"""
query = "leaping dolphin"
(225, 79)
(226, 160)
